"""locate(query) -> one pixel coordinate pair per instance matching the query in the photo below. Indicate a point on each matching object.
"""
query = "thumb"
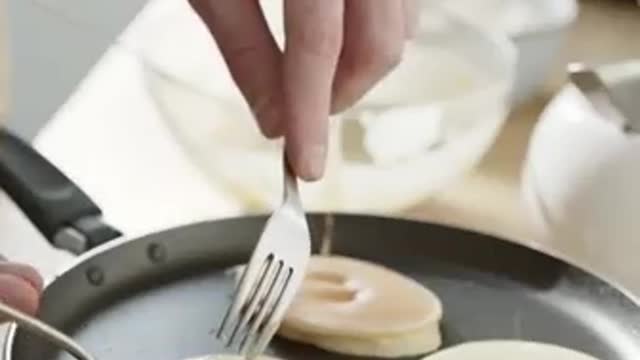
(20, 287)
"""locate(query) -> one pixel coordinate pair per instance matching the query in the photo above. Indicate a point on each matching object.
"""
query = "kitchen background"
(107, 119)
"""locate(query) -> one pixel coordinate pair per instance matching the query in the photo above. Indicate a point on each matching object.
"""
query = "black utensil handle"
(62, 212)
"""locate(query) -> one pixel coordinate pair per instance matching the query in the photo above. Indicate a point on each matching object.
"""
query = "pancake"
(508, 349)
(355, 307)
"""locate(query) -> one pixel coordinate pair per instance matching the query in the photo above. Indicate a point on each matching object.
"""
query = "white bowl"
(538, 29)
(447, 100)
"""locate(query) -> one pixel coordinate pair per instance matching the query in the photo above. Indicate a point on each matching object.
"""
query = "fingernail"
(310, 162)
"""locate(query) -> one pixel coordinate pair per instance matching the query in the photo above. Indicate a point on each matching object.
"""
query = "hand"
(336, 50)
(20, 287)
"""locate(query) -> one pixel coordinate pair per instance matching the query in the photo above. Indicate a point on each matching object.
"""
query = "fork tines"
(272, 277)
(250, 319)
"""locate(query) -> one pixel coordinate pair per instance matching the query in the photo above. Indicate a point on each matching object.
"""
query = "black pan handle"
(62, 212)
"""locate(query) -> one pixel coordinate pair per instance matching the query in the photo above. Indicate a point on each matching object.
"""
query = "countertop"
(97, 138)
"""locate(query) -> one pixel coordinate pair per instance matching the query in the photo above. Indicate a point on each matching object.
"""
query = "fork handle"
(290, 178)
(63, 213)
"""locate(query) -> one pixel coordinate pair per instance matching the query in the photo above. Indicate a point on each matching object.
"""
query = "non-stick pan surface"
(161, 297)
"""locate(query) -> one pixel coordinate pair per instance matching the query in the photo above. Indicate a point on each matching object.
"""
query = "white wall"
(51, 51)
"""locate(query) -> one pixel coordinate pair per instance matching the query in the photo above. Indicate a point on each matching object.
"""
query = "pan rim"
(628, 294)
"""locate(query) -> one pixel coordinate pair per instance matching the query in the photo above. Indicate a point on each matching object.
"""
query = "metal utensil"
(273, 275)
(596, 91)
(44, 331)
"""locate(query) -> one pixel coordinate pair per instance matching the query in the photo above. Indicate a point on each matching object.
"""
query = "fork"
(273, 276)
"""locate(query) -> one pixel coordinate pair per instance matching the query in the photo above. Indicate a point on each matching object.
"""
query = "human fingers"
(23, 271)
(19, 293)
(374, 36)
(314, 41)
(251, 54)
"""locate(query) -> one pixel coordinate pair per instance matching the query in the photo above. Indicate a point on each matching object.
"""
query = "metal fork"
(272, 277)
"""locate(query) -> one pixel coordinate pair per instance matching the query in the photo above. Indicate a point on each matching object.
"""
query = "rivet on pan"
(157, 253)
(95, 275)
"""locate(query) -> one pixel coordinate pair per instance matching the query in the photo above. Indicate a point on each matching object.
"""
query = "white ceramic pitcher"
(581, 183)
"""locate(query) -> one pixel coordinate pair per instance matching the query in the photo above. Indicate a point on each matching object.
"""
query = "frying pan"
(161, 296)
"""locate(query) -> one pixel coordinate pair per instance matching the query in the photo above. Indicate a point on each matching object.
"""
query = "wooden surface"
(488, 200)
